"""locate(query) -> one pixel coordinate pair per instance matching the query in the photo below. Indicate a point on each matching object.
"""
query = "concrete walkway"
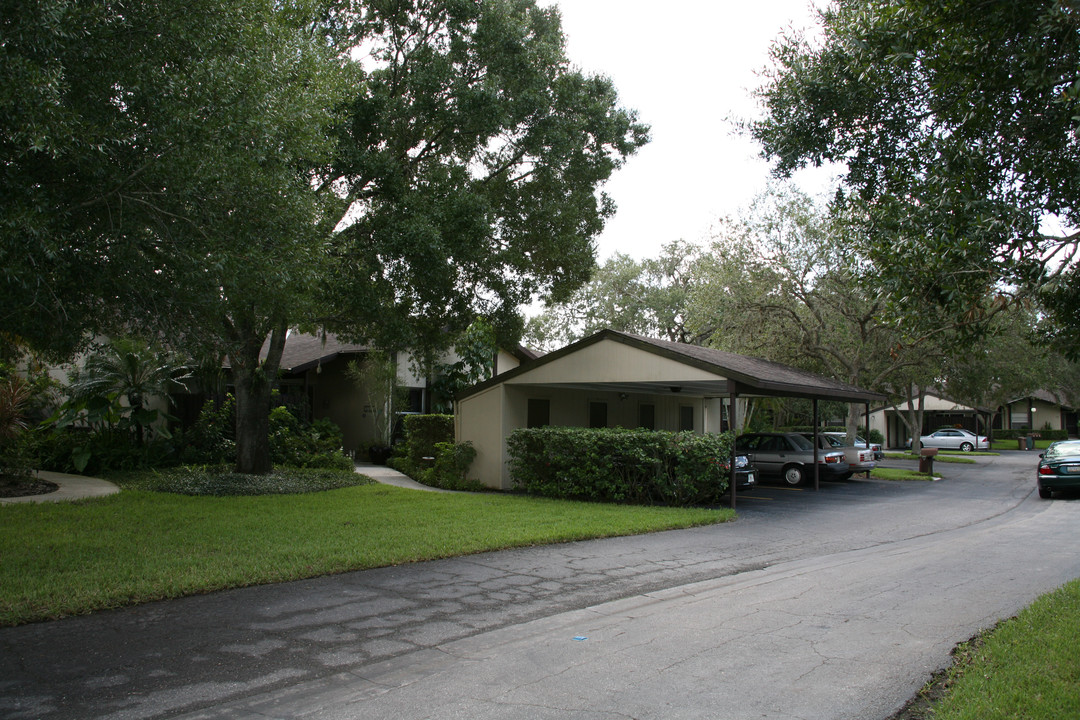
(389, 476)
(72, 487)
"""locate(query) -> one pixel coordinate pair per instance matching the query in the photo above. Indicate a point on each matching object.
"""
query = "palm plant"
(126, 368)
(15, 395)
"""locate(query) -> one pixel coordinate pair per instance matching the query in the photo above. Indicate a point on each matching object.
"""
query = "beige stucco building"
(614, 379)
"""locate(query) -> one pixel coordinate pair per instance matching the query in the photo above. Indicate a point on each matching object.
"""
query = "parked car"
(879, 452)
(790, 457)
(858, 459)
(954, 439)
(746, 474)
(1059, 468)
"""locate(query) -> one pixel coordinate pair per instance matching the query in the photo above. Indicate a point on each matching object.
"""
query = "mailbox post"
(926, 460)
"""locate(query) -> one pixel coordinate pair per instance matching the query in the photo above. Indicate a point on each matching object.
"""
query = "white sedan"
(955, 439)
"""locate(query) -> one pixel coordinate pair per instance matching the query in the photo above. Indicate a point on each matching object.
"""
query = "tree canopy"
(956, 124)
(473, 159)
(215, 172)
(647, 297)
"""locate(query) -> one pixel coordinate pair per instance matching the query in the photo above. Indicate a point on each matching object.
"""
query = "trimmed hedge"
(1037, 434)
(645, 467)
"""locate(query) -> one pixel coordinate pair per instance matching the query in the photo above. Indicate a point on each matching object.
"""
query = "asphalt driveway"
(830, 604)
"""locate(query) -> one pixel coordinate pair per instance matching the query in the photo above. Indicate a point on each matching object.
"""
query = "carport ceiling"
(734, 374)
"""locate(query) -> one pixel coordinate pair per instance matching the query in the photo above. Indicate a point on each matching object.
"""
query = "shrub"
(310, 445)
(92, 452)
(293, 442)
(222, 481)
(615, 465)
(452, 462)
(212, 439)
(423, 433)
(1015, 433)
(876, 437)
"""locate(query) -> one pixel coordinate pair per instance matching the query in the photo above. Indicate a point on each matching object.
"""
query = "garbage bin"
(1030, 442)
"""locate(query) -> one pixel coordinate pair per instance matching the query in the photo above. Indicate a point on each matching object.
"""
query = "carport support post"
(733, 426)
(817, 422)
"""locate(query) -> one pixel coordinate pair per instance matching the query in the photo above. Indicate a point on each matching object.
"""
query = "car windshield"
(1063, 449)
(801, 443)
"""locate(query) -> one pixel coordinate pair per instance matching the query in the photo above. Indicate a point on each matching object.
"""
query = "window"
(686, 417)
(598, 414)
(647, 417)
(539, 414)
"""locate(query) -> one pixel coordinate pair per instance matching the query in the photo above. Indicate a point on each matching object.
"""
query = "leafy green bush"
(452, 462)
(313, 445)
(92, 452)
(423, 433)
(876, 437)
(614, 465)
(1015, 433)
(212, 439)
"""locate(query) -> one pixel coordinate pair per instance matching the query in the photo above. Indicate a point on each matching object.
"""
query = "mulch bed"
(23, 485)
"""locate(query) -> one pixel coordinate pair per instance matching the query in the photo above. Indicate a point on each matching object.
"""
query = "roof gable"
(677, 366)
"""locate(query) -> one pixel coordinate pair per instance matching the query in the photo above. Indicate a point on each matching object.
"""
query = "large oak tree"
(217, 172)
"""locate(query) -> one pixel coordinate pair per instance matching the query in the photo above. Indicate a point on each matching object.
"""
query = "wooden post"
(733, 425)
(817, 422)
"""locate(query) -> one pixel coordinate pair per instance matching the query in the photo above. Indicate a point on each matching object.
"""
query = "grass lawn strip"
(940, 457)
(1026, 667)
(59, 559)
(899, 474)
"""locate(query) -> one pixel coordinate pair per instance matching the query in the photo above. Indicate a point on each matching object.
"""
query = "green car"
(1059, 467)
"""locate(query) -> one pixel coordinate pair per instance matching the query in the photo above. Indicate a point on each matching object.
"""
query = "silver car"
(859, 459)
(790, 457)
(955, 439)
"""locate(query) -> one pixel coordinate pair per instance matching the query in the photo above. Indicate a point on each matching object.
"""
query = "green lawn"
(945, 456)
(898, 474)
(60, 559)
(1027, 667)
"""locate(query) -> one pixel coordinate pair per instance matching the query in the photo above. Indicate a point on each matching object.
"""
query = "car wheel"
(847, 476)
(1045, 493)
(793, 475)
(967, 447)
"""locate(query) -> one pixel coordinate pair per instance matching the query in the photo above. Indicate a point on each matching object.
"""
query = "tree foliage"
(472, 159)
(956, 122)
(218, 171)
(647, 297)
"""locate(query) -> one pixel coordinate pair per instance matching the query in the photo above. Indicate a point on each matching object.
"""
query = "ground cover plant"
(60, 559)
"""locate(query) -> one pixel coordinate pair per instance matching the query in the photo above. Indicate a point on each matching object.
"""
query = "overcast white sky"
(686, 66)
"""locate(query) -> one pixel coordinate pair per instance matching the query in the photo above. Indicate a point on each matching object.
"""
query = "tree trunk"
(851, 424)
(254, 382)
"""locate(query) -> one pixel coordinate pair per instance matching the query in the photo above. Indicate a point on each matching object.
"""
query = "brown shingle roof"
(304, 351)
(747, 375)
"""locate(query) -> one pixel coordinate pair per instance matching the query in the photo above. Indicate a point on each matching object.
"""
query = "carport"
(613, 379)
